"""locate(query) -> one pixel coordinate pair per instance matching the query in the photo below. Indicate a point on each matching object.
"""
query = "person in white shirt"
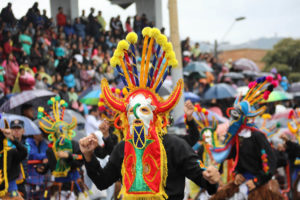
(92, 121)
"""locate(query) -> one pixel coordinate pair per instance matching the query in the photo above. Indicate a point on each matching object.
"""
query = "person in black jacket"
(10, 165)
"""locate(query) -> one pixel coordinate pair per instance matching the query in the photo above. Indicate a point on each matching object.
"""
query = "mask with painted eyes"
(140, 115)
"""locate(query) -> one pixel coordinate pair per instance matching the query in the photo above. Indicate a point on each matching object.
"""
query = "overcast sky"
(207, 20)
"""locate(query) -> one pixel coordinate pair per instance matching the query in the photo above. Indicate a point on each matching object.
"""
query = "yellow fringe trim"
(5, 149)
(23, 175)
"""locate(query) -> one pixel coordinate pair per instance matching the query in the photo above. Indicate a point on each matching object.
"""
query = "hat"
(17, 124)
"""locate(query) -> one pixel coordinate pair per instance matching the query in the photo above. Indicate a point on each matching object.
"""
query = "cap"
(17, 124)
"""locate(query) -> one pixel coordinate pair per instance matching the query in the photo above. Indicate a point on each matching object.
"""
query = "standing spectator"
(91, 15)
(185, 45)
(128, 25)
(92, 121)
(79, 28)
(196, 51)
(39, 20)
(61, 18)
(37, 151)
(144, 20)
(137, 25)
(31, 13)
(83, 18)
(101, 21)
(7, 15)
(68, 29)
(26, 41)
(46, 19)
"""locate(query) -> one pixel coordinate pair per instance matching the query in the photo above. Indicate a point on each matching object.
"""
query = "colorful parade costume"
(65, 170)
(10, 167)
(293, 150)
(151, 163)
(253, 154)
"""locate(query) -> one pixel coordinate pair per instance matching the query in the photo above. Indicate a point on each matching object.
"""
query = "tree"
(285, 57)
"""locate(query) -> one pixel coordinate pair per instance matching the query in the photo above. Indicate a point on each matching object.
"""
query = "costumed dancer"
(207, 133)
(151, 163)
(293, 150)
(17, 128)
(10, 160)
(270, 128)
(255, 161)
(64, 156)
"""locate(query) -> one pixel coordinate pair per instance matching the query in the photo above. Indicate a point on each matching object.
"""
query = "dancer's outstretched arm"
(102, 177)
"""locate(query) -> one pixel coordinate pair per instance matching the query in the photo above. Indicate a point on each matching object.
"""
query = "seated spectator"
(25, 78)
(109, 73)
(39, 83)
(99, 75)
(64, 93)
(73, 97)
(69, 80)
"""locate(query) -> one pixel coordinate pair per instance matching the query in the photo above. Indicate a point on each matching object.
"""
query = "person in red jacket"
(61, 18)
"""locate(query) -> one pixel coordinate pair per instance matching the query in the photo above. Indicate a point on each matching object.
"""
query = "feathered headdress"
(60, 132)
(244, 110)
(144, 169)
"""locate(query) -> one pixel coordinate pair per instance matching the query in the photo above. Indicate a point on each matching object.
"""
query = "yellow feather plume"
(161, 39)
(173, 63)
(168, 47)
(132, 37)
(123, 45)
(119, 53)
(155, 32)
(146, 31)
(170, 55)
(114, 61)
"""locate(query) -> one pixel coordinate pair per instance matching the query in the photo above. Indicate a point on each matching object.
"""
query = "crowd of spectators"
(60, 54)
(68, 56)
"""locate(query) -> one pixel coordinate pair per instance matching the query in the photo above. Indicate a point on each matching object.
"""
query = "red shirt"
(61, 19)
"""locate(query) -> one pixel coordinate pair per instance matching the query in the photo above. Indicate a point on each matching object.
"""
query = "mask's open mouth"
(137, 122)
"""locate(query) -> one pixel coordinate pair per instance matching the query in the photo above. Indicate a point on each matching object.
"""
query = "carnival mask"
(243, 111)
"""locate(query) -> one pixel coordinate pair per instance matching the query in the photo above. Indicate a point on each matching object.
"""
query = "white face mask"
(207, 133)
(140, 108)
